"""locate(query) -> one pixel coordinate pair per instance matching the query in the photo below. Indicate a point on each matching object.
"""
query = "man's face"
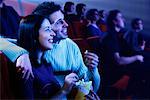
(139, 25)
(83, 10)
(72, 9)
(59, 25)
(119, 22)
(96, 15)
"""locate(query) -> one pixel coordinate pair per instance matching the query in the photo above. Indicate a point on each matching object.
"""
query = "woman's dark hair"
(111, 17)
(46, 8)
(90, 15)
(67, 6)
(79, 8)
(134, 22)
(29, 32)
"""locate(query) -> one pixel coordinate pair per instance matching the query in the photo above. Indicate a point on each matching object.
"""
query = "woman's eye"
(48, 30)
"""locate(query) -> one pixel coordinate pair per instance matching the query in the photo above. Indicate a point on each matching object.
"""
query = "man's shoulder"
(69, 41)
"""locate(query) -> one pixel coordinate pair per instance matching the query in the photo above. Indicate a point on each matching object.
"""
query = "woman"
(36, 36)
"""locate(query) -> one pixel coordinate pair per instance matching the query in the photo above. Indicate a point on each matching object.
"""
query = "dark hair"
(79, 8)
(135, 22)
(29, 32)
(1, 1)
(67, 6)
(46, 8)
(101, 13)
(90, 15)
(111, 17)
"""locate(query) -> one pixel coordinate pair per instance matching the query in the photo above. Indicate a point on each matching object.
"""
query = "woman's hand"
(70, 81)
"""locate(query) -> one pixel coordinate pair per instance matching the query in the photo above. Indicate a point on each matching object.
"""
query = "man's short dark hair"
(67, 6)
(79, 7)
(134, 22)
(112, 16)
(46, 8)
(90, 15)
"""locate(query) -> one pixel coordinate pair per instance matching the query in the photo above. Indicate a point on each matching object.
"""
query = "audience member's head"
(1, 1)
(80, 9)
(46, 9)
(56, 16)
(137, 24)
(102, 14)
(35, 33)
(115, 20)
(69, 7)
(92, 15)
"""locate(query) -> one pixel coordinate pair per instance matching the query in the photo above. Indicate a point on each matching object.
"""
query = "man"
(65, 56)
(119, 61)
(135, 37)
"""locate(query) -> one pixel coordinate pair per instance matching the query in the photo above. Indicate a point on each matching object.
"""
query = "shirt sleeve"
(94, 76)
(12, 51)
(84, 72)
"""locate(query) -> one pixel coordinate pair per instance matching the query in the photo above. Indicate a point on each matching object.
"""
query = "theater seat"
(6, 91)
(82, 43)
(103, 27)
(78, 29)
(122, 83)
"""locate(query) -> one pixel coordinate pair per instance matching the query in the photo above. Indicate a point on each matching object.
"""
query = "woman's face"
(46, 35)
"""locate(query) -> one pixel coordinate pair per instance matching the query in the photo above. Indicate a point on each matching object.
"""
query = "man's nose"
(65, 23)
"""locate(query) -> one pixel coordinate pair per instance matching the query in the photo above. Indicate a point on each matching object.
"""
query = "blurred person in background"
(9, 21)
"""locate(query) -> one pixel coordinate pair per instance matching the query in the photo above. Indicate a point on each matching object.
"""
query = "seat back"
(6, 90)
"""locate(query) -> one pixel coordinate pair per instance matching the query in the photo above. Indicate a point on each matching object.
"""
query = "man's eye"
(60, 22)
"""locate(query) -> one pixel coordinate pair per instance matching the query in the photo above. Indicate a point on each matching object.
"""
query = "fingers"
(92, 96)
(24, 74)
(23, 65)
(73, 77)
(91, 62)
(89, 97)
(70, 81)
(92, 56)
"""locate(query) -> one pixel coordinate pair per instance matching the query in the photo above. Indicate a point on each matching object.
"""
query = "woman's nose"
(53, 33)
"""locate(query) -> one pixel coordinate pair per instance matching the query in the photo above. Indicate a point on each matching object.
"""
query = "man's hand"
(142, 46)
(91, 60)
(140, 58)
(23, 65)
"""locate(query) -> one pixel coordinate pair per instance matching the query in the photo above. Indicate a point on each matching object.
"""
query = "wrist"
(136, 57)
(93, 69)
